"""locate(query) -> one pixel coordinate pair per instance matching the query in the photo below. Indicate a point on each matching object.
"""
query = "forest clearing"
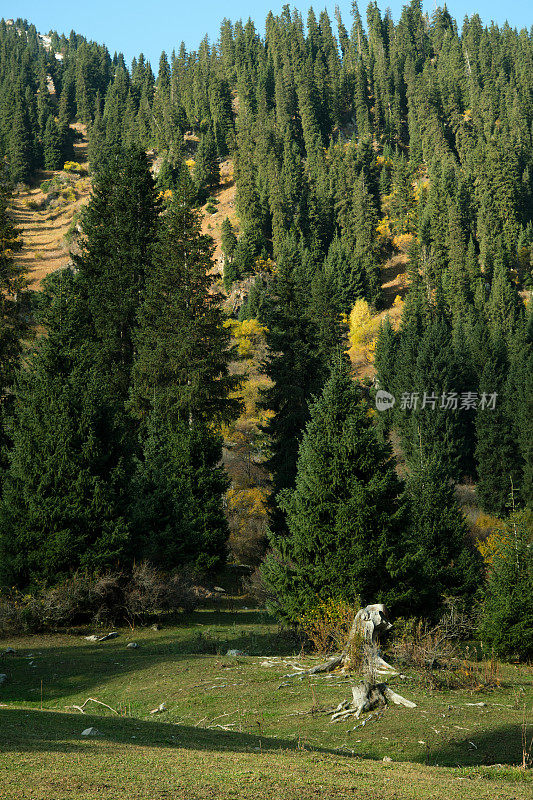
(234, 728)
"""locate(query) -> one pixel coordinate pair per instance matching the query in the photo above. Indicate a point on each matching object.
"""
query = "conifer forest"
(290, 337)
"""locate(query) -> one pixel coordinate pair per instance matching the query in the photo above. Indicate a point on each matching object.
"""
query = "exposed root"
(367, 697)
(92, 700)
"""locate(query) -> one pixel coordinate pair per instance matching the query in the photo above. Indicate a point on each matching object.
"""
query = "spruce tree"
(181, 392)
(499, 461)
(52, 149)
(507, 620)
(162, 492)
(206, 168)
(118, 228)
(228, 243)
(20, 146)
(346, 274)
(343, 511)
(182, 347)
(294, 366)
(12, 286)
(434, 558)
(64, 503)
(13, 324)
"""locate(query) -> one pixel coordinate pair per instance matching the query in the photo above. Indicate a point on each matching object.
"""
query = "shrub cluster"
(73, 166)
(112, 598)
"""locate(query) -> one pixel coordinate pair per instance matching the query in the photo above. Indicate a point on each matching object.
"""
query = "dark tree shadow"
(31, 731)
(82, 665)
(497, 746)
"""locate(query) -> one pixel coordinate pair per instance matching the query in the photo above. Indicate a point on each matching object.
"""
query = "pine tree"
(115, 257)
(435, 558)
(181, 391)
(53, 155)
(343, 510)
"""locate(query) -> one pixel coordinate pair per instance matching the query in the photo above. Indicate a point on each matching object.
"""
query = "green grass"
(276, 743)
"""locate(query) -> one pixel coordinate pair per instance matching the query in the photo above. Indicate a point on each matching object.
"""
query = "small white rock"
(132, 645)
(95, 638)
(112, 635)
(387, 760)
(236, 653)
(91, 732)
(159, 709)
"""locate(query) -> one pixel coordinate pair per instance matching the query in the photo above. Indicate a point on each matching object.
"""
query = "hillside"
(225, 195)
(45, 218)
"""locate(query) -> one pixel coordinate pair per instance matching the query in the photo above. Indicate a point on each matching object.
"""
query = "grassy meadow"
(235, 728)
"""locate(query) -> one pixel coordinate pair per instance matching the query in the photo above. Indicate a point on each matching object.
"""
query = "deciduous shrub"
(74, 166)
(111, 598)
(328, 624)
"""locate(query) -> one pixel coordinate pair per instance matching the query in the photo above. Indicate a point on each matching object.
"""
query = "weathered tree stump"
(368, 624)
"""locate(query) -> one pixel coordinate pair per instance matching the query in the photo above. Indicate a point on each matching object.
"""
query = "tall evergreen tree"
(65, 494)
(343, 511)
(206, 168)
(228, 243)
(52, 145)
(115, 255)
(13, 325)
(499, 462)
(434, 558)
(295, 369)
(181, 391)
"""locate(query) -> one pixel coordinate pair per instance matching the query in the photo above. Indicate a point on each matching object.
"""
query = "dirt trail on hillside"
(45, 248)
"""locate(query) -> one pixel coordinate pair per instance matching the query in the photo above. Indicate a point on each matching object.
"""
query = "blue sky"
(134, 26)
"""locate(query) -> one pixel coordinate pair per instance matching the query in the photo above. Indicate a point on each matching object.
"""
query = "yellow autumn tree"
(245, 447)
(363, 329)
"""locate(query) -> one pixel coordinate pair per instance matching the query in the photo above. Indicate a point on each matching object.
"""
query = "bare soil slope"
(211, 223)
(43, 228)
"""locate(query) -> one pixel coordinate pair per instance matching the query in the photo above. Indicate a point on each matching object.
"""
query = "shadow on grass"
(497, 746)
(77, 665)
(31, 731)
